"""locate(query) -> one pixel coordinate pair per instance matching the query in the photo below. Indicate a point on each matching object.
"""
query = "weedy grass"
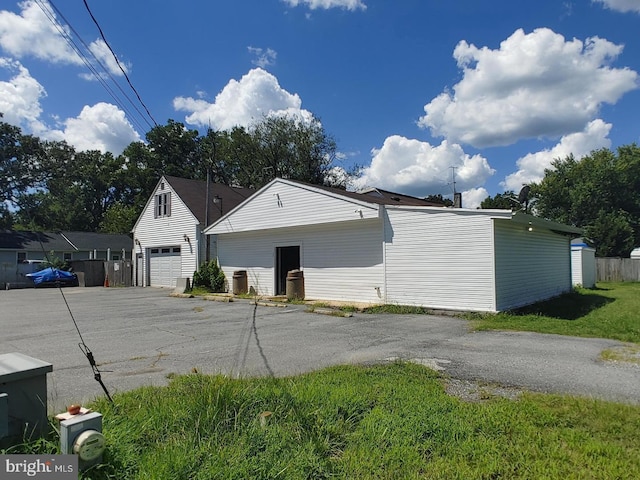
(388, 421)
(608, 311)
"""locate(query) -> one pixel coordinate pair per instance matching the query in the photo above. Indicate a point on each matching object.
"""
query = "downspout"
(383, 213)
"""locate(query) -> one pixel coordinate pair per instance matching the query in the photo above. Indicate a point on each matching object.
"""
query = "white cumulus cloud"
(32, 34)
(326, 4)
(531, 167)
(20, 96)
(413, 167)
(473, 197)
(535, 85)
(243, 102)
(623, 6)
(101, 127)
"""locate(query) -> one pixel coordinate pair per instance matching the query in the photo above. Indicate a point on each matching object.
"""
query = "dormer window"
(163, 205)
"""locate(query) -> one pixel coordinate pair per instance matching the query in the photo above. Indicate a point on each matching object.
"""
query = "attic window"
(161, 185)
(163, 205)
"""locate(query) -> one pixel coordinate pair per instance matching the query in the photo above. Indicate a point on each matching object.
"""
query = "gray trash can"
(240, 284)
(295, 285)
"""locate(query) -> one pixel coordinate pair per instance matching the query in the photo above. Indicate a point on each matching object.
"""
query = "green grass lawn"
(612, 310)
(391, 421)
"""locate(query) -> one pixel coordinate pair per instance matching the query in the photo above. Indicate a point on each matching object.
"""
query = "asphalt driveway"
(142, 336)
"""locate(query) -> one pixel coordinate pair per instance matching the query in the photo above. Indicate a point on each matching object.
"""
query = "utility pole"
(208, 195)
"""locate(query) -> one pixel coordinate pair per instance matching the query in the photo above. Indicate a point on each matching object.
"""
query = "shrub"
(210, 276)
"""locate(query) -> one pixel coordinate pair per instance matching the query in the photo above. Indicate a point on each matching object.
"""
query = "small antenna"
(453, 178)
(457, 197)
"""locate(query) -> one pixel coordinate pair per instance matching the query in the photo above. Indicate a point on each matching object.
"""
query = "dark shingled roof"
(82, 241)
(194, 192)
(376, 195)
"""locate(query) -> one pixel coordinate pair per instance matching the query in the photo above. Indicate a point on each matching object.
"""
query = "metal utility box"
(23, 381)
(82, 435)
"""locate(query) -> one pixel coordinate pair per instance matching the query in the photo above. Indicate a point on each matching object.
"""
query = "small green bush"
(209, 276)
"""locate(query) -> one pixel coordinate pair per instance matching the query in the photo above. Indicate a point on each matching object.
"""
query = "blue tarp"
(53, 275)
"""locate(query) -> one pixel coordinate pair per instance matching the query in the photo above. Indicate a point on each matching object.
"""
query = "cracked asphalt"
(142, 336)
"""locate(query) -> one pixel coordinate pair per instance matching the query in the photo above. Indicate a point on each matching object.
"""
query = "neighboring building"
(382, 248)
(583, 264)
(168, 238)
(23, 252)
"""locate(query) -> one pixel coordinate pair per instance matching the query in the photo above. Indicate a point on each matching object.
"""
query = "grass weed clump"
(359, 422)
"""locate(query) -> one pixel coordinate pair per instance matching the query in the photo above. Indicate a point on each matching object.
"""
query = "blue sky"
(408, 88)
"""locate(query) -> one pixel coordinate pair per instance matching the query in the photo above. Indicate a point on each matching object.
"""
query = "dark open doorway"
(287, 258)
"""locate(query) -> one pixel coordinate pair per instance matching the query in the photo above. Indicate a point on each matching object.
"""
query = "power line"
(51, 16)
(118, 61)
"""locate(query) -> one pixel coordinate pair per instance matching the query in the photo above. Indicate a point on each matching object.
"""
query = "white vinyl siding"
(530, 265)
(340, 261)
(282, 205)
(158, 232)
(439, 259)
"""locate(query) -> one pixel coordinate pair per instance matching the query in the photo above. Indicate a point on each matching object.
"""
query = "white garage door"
(165, 265)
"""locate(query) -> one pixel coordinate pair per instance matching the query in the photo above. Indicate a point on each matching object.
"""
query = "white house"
(379, 247)
(168, 238)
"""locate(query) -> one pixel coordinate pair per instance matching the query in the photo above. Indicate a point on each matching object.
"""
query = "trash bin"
(240, 286)
(295, 285)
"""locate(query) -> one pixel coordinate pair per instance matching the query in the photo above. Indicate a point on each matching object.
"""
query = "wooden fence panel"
(617, 270)
(119, 273)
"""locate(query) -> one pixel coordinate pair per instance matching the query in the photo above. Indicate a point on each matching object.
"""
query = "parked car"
(53, 276)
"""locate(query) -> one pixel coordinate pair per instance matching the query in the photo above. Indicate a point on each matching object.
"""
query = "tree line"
(599, 193)
(48, 185)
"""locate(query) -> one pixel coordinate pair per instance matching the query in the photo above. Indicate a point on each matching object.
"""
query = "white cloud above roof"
(20, 96)
(531, 167)
(623, 6)
(417, 168)
(326, 4)
(243, 102)
(102, 126)
(32, 34)
(535, 85)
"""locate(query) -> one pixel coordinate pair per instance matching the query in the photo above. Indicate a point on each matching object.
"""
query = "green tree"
(447, 202)
(119, 218)
(276, 146)
(598, 193)
(506, 201)
(21, 169)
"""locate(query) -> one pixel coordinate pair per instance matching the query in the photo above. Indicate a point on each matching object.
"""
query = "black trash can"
(295, 285)
(240, 285)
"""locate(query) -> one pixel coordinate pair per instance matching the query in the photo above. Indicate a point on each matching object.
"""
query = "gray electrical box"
(4, 415)
(23, 381)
